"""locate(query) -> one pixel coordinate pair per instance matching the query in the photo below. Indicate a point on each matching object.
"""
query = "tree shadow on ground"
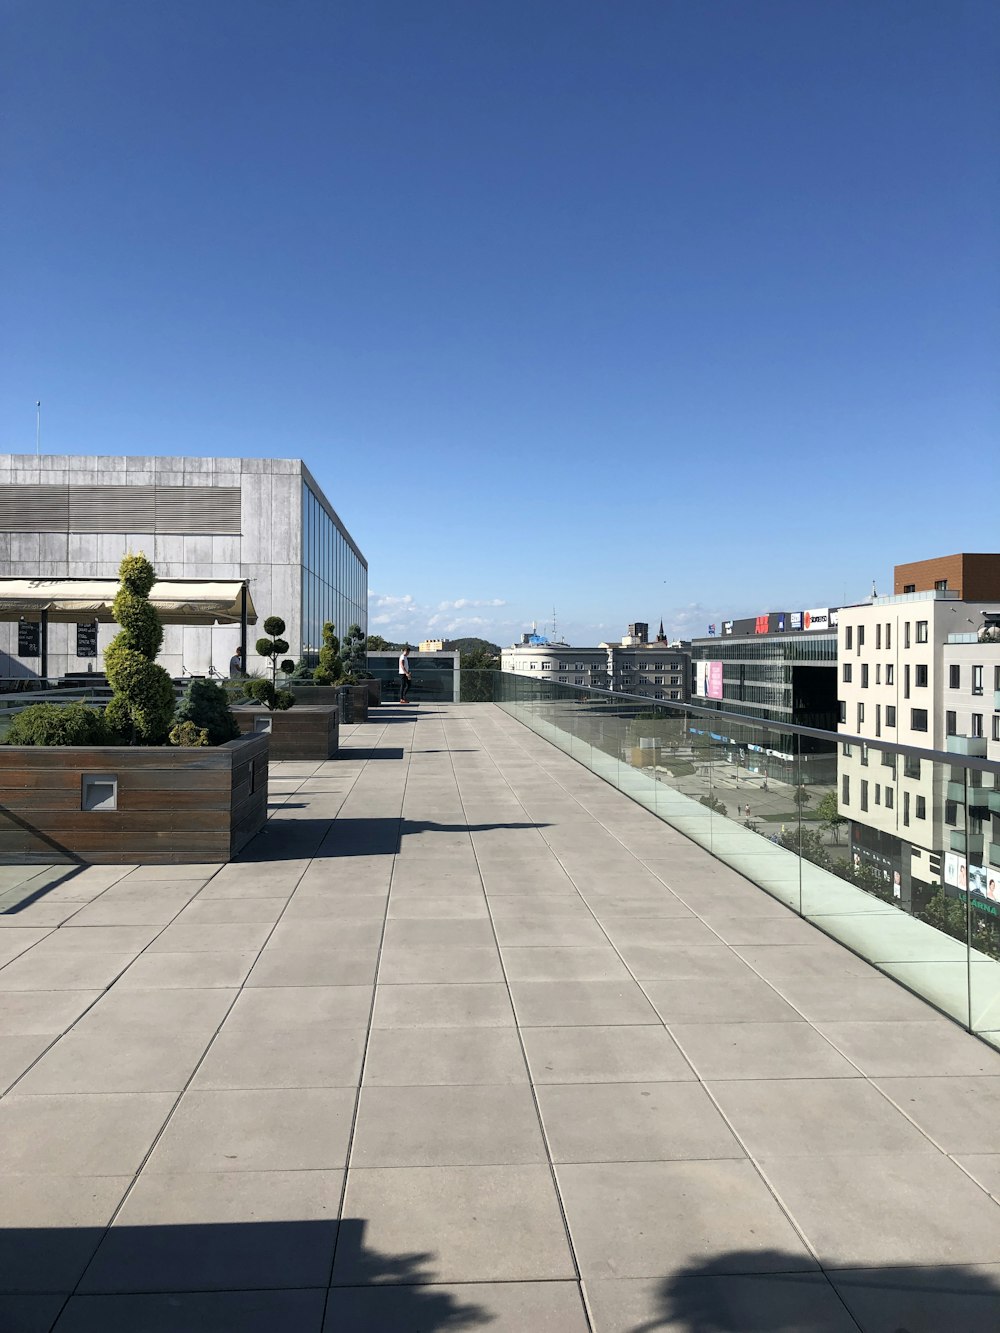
(768, 1291)
(292, 839)
(235, 1277)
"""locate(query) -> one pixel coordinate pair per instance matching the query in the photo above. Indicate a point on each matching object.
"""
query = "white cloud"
(399, 616)
(462, 602)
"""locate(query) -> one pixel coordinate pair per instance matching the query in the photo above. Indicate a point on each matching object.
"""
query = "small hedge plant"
(205, 705)
(263, 692)
(61, 724)
(142, 707)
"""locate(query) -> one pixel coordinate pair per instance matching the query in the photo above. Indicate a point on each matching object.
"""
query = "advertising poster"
(701, 679)
(714, 680)
(954, 871)
(977, 880)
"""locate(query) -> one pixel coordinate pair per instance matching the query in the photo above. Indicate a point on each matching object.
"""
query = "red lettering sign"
(761, 625)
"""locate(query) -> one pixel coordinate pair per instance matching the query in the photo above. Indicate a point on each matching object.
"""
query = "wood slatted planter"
(150, 805)
(296, 733)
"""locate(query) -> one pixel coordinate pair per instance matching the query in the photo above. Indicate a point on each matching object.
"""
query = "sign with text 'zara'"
(86, 639)
(29, 638)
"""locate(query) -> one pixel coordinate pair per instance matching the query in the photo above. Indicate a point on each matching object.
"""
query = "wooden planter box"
(374, 687)
(355, 702)
(301, 732)
(117, 804)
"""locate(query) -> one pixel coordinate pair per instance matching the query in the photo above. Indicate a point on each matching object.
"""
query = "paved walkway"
(604, 1082)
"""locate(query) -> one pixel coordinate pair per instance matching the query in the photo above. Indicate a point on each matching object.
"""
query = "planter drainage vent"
(99, 791)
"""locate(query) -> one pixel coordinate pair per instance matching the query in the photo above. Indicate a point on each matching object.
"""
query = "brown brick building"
(976, 578)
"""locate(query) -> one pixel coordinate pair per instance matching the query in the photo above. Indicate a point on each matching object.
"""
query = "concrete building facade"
(260, 519)
(657, 670)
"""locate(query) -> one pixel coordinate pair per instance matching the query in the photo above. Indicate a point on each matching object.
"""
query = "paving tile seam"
(371, 1011)
(517, 1027)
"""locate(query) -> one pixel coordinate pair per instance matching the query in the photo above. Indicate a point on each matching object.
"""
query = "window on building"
(996, 677)
(906, 681)
(878, 638)
(845, 789)
(848, 636)
(846, 749)
(906, 635)
(675, 694)
(861, 637)
(906, 807)
(951, 813)
(921, 631)
(909, 587)
(977, 680)
(918, 719)
(657, 694)
(842, 709)
(864, 675)
(562, 680)
(951, 723)
(861, 716)
(847, 673)
(890, 673)
(954, 677)
(996, 726)
(977, 724)
(864, 794)
(579, 680)
(864, 756)
(878, 673)
(890, 715)
(911, 766)
(878, 719)
(920, 676)
(889, 798)
(878, 793)
(940, 585)
(921, 807)
(888, 635)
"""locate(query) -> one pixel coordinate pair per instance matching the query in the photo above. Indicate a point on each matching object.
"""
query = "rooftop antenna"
(874, 592)
(38, 427)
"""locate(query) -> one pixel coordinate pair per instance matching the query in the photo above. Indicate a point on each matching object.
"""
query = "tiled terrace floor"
(604, 1082)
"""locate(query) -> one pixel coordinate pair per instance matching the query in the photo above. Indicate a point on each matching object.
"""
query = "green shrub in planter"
(206, 705)
(273, 647)
(331, 667)
(142, 707)
(187, 735)
(263, 692)
(60, 724)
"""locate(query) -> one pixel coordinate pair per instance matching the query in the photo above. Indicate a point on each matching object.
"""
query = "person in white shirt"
(405, 679)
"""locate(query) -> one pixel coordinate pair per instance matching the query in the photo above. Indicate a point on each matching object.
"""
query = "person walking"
(405, 679)
(236, 668)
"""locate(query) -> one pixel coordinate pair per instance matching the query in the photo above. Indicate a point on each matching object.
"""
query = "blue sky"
(685, 307)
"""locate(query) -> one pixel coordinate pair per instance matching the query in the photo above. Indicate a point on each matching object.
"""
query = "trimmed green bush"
(186, 735)
(60, 724)
(273, 647)
(206, 705)
(263, 692)
(142, 708)
(331, 668)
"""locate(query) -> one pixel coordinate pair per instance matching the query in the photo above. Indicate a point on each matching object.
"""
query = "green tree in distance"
(830, 816)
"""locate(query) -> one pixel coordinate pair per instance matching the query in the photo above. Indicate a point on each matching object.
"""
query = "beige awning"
(178, 601)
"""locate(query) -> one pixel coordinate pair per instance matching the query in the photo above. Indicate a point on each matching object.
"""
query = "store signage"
(727, 627)
(714, 680)
(29, 638)
(796, 620)
(818, 619)
(86, 639)
(761, 625)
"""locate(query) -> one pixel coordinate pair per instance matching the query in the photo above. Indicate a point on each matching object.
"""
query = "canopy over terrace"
(178, 602)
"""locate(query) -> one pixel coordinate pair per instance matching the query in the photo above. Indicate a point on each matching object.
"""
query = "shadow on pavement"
(292, 839)
(235, 1277)
(768, 1291)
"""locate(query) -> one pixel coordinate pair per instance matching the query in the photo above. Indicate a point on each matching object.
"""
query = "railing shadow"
(293, 839)
(768, 1291)
(257, 1277)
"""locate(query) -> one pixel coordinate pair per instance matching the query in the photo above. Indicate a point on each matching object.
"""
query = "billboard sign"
(714, 680)
(816, 619)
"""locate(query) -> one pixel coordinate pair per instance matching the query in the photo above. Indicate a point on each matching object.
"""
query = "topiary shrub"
(273, 647)
(331, 668)
(263, 692)
(142, 707)
(354, 655)
(188, 735)
(206, 705)
(60, 724)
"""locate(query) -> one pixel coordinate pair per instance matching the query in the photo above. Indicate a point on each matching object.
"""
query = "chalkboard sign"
(86, 639)
(29, 638)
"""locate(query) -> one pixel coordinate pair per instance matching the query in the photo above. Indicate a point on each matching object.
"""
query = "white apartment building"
(902, 661)
(650, 670)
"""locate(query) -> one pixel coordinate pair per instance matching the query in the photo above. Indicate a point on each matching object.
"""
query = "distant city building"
(264, 520)
(780, 667)
(921, 668)
(657, 670)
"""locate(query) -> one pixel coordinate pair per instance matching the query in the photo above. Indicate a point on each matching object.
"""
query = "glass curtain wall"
(334, 576)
